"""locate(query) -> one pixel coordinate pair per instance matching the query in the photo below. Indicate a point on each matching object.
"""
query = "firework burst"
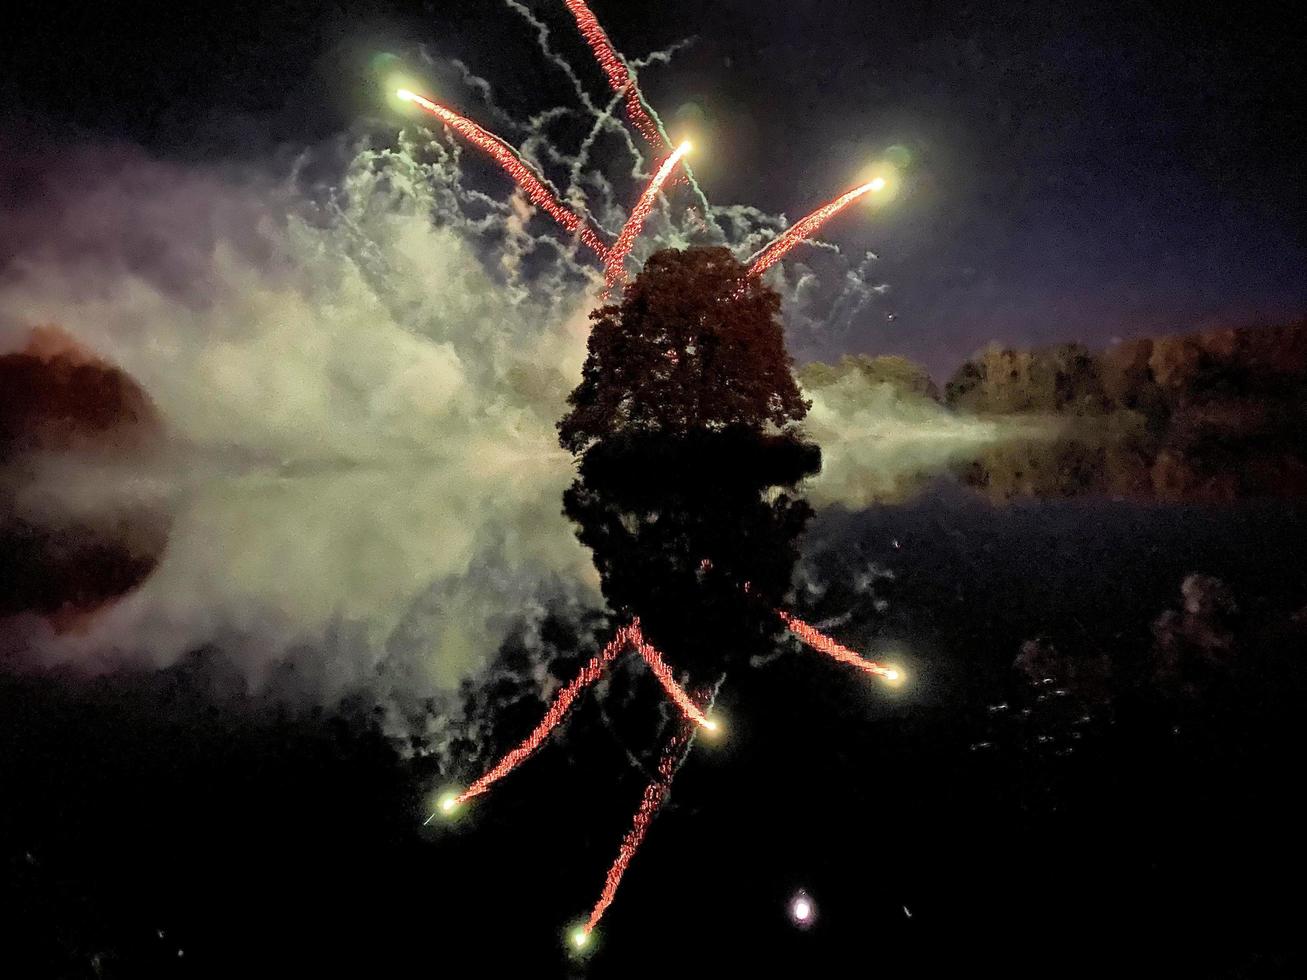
(623, 83)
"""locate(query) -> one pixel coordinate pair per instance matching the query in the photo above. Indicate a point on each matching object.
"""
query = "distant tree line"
(1233, 371)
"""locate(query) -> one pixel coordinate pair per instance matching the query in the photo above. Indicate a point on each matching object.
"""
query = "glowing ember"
(613, 272)
(615, 70)
(526, 178)
(803, 912)
(824, 644)
(808, 226)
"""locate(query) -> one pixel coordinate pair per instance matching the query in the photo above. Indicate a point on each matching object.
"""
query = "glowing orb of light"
(893, 676)
(579, 938)
(447, 805)
(878, 184)
(714, 727)
(803, 910)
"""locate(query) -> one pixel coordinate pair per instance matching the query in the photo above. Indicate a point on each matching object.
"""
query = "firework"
(626, 637)
(824, 644)
(673, 689)
(655, 794)
(613, 271)
(526, 178)
(777, 250)
(615, 69)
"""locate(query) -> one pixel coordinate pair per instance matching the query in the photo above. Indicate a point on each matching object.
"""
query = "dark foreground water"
(1093, 769)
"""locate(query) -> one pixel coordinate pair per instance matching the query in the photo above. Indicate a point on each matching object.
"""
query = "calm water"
(1091, 767)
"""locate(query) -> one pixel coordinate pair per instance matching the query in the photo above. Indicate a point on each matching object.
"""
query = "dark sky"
(1082, 170)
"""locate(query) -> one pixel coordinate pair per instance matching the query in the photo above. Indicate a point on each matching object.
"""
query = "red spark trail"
(824, 644)
(655, 795)
(526, 178)
(613, 271)
(673, 689)
(619, 76)
(774, 252)
(626, 636)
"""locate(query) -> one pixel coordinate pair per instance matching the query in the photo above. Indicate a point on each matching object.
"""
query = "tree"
(696, 343)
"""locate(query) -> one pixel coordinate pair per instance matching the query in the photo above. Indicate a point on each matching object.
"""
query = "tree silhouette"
(695, 344)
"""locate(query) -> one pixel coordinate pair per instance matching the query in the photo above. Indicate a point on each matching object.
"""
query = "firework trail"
(613, 271)
(526, 178)
(824, 644)
(655, 795)
(604, 118)
(626, 636)
(674, 690)
(777, 250)
(615, 69)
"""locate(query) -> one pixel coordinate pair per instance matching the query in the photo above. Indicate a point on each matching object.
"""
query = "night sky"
(1082, 170)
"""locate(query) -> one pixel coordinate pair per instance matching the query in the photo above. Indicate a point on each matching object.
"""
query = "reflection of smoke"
(880, 445)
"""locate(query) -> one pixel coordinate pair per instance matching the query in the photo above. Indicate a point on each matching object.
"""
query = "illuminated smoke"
(673, 689)
(824, 644)
(524, 176)
(613, 271)
(591, 672)
(807, 227)
(655, 795)
(618, 74)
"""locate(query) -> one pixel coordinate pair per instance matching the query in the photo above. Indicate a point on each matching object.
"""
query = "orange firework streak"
(626, 636)
(673, 689)
(824, 644)
(777, 250)
(613, 271)
(523, 175)
(655, 795)
(619, 76)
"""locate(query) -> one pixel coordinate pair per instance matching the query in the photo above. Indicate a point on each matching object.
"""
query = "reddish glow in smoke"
(655, 794)
(626, 636)
(673, 689)
(806, 228)
(619, 76)
(824, 644)
(507, 158)
(613, 271)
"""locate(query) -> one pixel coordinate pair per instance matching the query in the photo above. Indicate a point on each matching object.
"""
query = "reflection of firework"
(656, 793)
(802, 910)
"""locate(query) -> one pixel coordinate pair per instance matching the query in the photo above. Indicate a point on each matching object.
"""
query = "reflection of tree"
(696, 536)
(1200, 467)
(66, 573)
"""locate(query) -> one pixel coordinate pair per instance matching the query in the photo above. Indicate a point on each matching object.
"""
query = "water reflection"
(698, 537)
(1134, 466)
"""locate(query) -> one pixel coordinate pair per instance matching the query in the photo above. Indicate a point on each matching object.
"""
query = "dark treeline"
(1242, 379)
